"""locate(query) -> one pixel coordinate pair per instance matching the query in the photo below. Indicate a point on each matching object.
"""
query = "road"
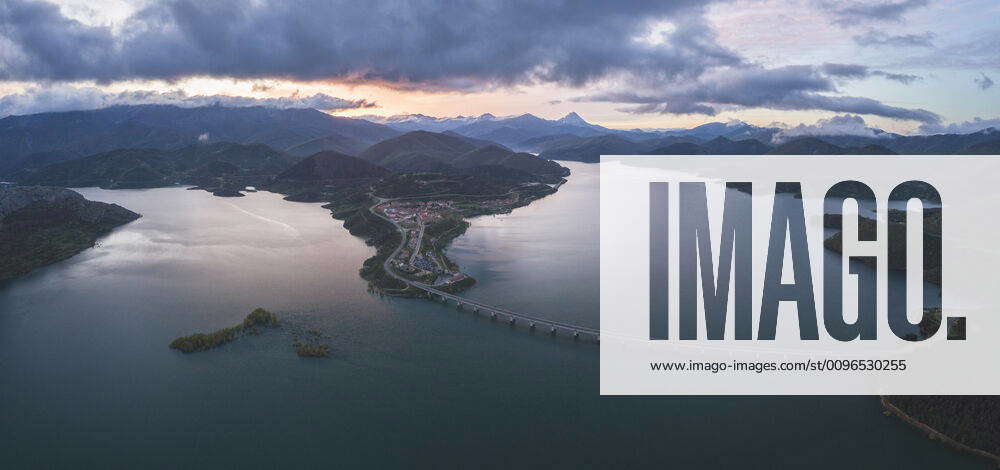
(402, 232)
(416, 248)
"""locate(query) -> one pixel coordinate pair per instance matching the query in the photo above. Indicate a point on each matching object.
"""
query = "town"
(427, 226)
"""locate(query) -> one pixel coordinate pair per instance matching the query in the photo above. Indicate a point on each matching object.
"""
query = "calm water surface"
(87, 379)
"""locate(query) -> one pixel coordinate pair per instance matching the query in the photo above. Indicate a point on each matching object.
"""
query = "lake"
(87, 379)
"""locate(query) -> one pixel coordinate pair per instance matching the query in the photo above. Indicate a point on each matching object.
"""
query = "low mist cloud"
(799, 88)
(965, 127)
(68, 98)
(837, 125)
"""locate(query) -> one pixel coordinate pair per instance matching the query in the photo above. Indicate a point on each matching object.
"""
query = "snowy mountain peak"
(573, 119)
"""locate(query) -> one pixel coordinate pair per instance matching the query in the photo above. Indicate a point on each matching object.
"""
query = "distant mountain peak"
(573, 119)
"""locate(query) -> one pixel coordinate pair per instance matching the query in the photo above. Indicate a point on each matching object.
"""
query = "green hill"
(331, 165)
(405, 152)
(434, 152)
(336, 142)
(150, 168)
(125, 168)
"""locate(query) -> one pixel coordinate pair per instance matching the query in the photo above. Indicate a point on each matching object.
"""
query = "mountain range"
(573, 138)
(508, 131)
(589, 149)
(226, 167)
(40, 139)
(139, 146)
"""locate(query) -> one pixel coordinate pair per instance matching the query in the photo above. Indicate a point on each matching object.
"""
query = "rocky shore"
(40, 225)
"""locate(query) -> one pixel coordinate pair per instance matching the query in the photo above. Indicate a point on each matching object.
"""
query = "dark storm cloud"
(878, 39)
(797, 88)
(451, 44)
(262, 87)
(985, 83)
(857, 72)
(846, 70)
(67, 98)
(854, 11)
(429, 45)
(903, 78)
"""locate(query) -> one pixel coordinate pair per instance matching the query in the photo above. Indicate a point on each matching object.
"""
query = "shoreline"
(934, 434)
(461, 285)
(41, 226)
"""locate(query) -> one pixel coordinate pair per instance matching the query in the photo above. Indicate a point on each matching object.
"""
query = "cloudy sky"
(903, 65)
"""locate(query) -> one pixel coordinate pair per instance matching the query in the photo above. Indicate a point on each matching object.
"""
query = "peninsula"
(410, 215)
(42, 225)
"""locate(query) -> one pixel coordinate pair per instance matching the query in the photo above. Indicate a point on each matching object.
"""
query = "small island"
(227, 192)
(257, 319)
(312, 350)
(310, 344)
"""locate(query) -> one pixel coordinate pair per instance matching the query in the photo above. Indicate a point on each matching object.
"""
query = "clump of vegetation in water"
(311, 345)
(261, 317)
(205, 341)
(312, 350)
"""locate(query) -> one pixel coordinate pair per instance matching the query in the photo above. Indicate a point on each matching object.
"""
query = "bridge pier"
(512, 317)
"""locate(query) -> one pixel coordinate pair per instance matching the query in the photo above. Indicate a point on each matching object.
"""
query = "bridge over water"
(510, 316)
